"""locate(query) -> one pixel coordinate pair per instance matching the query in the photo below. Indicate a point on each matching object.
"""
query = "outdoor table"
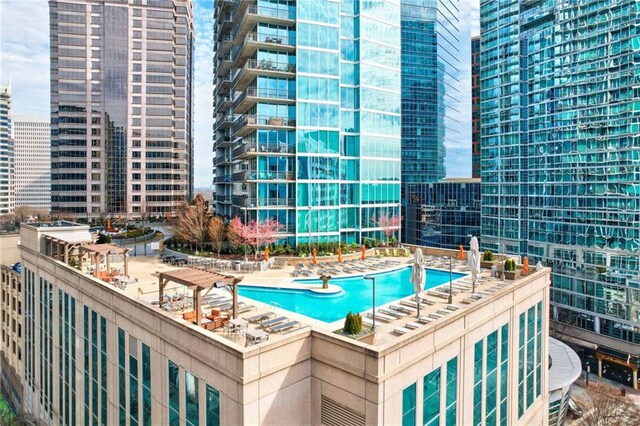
(256, 336)
(236, 324)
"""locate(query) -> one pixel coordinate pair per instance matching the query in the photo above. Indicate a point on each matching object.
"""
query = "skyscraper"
(307, 104)
(121, 97)
(32, 135)
(561, 160)
(432, 69)
(7, 192)
(475, 106)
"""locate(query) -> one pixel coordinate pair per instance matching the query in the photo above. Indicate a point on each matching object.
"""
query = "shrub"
(103, 239)
(487, 256)
(509, 265)
(353, 324)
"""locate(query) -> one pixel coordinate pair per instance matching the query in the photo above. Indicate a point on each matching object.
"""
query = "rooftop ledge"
(397, 324)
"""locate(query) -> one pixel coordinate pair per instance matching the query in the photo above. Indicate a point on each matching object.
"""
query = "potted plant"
(352, 324)
(510, 270)
(487, 259)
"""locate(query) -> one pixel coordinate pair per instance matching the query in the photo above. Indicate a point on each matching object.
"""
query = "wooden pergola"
(59, 248)
(198, 280)
(98, 252)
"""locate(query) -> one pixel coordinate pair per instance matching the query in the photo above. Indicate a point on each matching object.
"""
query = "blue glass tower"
(560, 160)
(307, 104)
(433, 63)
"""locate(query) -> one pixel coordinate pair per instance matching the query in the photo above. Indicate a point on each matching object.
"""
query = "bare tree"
(216, 233)
(25, 213)
(192, 224)
(609, 407)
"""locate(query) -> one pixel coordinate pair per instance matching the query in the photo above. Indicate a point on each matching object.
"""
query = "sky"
(24, 58)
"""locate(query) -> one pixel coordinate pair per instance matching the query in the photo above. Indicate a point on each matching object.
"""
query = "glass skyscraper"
(307, 105)
(432, 69)
(121, 96)
(560, 121)
(7, 154)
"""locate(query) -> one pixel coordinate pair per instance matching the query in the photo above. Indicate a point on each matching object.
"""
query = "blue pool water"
(355, 297)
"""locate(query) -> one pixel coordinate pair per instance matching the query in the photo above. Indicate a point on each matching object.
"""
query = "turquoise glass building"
(307, 105)
(560, 121)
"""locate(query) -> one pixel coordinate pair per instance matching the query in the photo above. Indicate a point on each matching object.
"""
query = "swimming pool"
(355, 297)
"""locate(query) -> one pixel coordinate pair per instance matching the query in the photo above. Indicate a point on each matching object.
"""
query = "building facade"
(11, 345)
(475, 106)
(7, 156)
(32, 135)
(307, 107)
(560, 159)
(121, 107)
(95, 353)
(447, 215)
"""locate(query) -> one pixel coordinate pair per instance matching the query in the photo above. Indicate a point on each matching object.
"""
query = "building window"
(529, 357)
(431, 398)
(191, 398)
(477, 383)
(491, 378)
(451, 392)
(146, 385)
(174, 394)
(409, 406)
(122, 378)
(213, 406)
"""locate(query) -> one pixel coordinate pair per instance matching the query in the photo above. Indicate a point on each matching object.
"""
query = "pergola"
(60, 249)
(198, 280)
(98, 252)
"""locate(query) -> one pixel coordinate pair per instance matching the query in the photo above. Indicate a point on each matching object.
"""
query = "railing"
(270, 93)
(260, 120)
(269, 38)
(274, 12)
(268, 202)
(268, 65)
(226, 117)
(262, 175)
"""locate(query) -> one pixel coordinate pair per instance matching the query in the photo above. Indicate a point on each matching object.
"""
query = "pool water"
(356, 295)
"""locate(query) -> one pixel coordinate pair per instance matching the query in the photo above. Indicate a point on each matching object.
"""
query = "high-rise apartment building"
(7, 191)
(561, 161)
(121, 106)
(307, 104)
(475, 107)
(32, 136)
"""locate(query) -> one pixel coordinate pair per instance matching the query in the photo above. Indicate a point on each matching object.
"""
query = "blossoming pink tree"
(255, 234)
(389, 225)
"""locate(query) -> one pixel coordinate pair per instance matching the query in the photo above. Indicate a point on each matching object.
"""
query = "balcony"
(254, 41)
(223, 103)
(224, 121)
(249, 122)
(267, 175)
(224, 22)
(224, 83)
(224, 178)
(265, 14)
(222, 198)
(264, 67)
(223, 140)
(245, 150)
(224, 64)
(225, 42)
(252, 95)
(253, 202)
(223, 160)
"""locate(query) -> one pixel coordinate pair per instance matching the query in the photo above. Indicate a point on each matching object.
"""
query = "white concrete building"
(32, 138)
(7, 190)
(106, 352)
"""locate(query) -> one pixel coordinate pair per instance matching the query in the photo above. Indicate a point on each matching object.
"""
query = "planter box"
(486, 265)
(512, 275)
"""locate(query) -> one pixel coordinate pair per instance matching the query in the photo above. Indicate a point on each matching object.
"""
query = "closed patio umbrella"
(474, 260)
(418, 275)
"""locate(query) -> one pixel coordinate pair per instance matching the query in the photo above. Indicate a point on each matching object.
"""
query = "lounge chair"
(392, 313)
(381, 317)
(412, 304)
(413, 325)
(452, 307)
(282, 327)
(400, 330)
(403, 309)
(425, 320)
(246, 308)
(295, 273)
(272, 322)
(261, 317)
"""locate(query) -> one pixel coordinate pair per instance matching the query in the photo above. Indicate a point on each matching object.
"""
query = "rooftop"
(400, 321)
